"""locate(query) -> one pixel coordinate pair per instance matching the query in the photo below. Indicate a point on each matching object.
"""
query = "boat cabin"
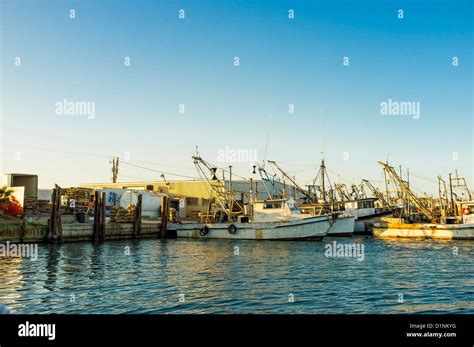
(275, 210)
(467, 210)
(360, 207)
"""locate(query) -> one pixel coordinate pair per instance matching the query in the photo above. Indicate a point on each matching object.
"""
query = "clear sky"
(190, 61)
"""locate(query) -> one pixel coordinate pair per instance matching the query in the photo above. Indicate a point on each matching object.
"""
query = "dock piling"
(137, 218)
(55, 225)
(102, 217)
(96, 216)
(164, 216)
(22, 228)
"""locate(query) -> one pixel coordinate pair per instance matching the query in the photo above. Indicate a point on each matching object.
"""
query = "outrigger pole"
(408, 193)
(307, 195)
(224, 198)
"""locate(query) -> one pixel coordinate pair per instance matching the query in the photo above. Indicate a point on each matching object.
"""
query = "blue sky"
(282, 61)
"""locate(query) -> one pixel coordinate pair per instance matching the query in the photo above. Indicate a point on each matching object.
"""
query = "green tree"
(5, 194)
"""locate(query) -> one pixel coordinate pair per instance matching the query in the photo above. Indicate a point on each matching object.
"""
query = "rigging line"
(98, 155)
(156, 163)
(304, 170)
(266, 144)
(234, 174)
(203, 178)
(45, 149)
(339, 176)
(295, 164)
(372, 181)
(137, 178)
(322, 134)
(225, 170)
(274, 176)
(158, 171)
(422, 178)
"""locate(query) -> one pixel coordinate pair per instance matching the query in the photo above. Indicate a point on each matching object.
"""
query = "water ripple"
(206, 276)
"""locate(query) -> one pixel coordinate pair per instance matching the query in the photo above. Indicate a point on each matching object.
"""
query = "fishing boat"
(354, 212)
(270, 220)
(447, 220)
(342, 225)
(249, 219)
(365, 212)
(424, 231)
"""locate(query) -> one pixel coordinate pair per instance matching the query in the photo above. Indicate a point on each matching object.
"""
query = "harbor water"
(188, 276)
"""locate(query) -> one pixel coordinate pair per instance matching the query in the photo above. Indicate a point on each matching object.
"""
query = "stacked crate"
(122, 215)
(35, 207)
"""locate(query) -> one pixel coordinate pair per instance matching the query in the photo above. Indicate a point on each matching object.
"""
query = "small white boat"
(270, 220)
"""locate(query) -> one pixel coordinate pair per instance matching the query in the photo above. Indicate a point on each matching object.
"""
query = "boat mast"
(232, 198)
(323, 168)
(442, 204)
(451, 192)
(222, 197)
(460, 182)
(408, 193)
(262, 172)
(386, 182)
(323, 173)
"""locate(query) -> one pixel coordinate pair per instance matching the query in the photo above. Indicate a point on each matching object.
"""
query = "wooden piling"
(96, 216)
(164, 216)
(137, 218)
(55, 232)
(59, 233)
(22, 228)
(103, 203)
(51, 224)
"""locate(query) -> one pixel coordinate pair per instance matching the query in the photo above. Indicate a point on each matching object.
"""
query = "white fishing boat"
(365, 213)
(355, 211)
(270, 220)
(343, 225)
(249, 218)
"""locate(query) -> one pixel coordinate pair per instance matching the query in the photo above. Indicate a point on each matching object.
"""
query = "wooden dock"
(54, 229)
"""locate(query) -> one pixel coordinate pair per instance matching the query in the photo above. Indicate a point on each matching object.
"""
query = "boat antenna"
(322, 134)
(322, 167)
(266, 143)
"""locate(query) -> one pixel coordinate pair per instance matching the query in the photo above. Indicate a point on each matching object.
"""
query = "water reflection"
(11, 280)
(226, 276)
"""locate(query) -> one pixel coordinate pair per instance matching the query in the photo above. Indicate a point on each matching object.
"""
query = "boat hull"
(363, 225)
(425, 231)
(311, 228)
(342, 226)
